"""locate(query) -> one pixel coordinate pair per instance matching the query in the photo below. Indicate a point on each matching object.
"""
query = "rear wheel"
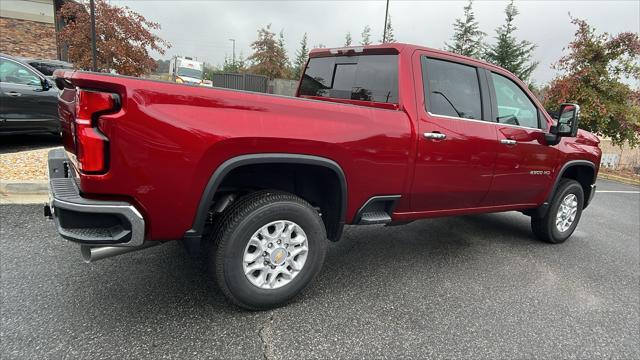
(563, 215)
(267, 247)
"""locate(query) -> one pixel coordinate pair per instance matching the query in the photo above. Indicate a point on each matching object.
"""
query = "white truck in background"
(185, 70)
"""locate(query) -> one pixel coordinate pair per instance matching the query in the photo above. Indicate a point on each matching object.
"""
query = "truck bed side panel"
(168, 140)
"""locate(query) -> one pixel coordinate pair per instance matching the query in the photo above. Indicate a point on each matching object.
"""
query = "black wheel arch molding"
(542, 210)
(218, 176)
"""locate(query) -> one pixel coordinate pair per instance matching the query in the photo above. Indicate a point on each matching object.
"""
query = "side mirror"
(46, 85)
(568, 118)
(566, 126)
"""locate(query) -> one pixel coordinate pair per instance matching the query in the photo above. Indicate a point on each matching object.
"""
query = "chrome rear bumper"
(87, 221)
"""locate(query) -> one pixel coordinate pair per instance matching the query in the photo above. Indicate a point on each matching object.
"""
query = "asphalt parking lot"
(466, 287)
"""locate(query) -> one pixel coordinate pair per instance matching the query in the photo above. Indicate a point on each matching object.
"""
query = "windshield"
(192, 73)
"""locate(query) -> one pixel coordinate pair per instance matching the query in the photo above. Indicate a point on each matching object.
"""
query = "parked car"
(382, 134)
(28, 100)
(46, 66)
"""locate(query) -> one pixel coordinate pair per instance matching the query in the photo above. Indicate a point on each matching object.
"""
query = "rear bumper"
(87, 221)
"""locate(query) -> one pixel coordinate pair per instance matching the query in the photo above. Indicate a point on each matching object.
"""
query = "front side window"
(451, 89)
(514, 106)
(14, 73)
(365, 77)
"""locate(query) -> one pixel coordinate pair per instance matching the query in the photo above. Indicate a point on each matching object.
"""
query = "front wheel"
(268, 246)
(563, 215)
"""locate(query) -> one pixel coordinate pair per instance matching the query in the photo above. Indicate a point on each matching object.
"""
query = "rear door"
(457, 142)
(524, 162)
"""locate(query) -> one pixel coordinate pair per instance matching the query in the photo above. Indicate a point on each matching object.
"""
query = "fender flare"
(197, 228)
(542, 210)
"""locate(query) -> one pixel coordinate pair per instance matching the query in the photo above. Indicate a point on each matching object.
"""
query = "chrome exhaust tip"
(94, 253)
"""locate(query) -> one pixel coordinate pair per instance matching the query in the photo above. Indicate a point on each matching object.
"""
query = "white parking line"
(618, 191)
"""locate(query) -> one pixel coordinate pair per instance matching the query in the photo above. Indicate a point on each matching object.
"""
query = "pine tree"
(282, 47)
(268, 56)
(347, 39)
(301, 58)
(366, 35)
(388, 35)
(510, 53)
(467, 37)
(231, 66)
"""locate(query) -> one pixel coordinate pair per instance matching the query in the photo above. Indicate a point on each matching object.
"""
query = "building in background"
(29, 28)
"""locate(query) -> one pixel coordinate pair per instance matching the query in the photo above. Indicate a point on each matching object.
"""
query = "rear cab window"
(355, 79)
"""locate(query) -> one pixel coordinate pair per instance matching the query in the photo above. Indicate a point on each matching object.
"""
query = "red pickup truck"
(383, 134)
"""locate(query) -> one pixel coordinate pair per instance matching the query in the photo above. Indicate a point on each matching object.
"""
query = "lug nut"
(270, 245)
(266, 263)
(264, 253)
(279, 241)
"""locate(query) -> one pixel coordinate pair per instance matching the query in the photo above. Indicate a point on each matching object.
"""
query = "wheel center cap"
(278, 256)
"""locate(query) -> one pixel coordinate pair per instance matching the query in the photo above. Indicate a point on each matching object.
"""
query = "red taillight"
(91, 143)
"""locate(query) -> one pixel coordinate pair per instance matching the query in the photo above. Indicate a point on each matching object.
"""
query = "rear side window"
(365, 77)
(45, 69)
(451, 89)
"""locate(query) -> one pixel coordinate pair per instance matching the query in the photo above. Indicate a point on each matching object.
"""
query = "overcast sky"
(202, 28)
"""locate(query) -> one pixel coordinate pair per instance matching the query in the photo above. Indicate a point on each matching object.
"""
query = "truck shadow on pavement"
(367, 259)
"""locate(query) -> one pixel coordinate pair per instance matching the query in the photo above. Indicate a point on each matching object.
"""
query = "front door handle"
(508, 142)
(434, 135)
(12, 93)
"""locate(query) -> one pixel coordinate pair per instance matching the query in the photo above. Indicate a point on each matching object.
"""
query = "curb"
(24, 187)
(621, 179)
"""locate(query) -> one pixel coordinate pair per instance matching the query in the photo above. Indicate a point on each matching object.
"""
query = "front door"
(25, 104)
(457, 142)
(525, 163)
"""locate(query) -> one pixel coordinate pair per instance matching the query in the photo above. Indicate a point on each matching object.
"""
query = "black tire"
(234, 229)
(544, 228)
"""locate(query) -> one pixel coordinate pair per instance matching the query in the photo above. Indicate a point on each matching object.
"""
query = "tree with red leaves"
(593, 75)
(123, 38)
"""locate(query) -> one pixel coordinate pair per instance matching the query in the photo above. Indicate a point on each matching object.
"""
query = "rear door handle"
(434, 135)
(508, 142)
(12, 93)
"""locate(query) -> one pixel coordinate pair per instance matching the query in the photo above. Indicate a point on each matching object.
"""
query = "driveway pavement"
(466, 287)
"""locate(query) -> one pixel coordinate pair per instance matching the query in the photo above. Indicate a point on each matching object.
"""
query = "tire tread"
(541, 226)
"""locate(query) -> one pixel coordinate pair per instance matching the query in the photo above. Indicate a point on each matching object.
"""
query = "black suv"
(47, 67)
(28, 100)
